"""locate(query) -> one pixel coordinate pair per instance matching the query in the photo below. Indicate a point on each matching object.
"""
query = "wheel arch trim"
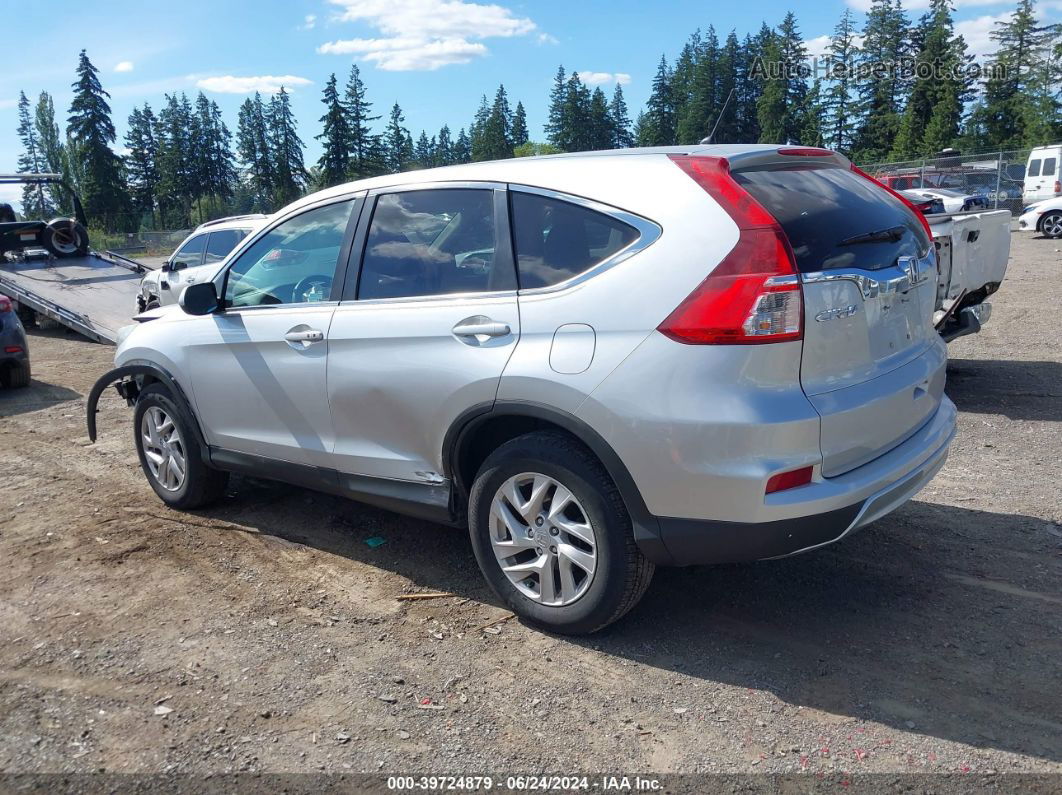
(462, 431)
(143, 369)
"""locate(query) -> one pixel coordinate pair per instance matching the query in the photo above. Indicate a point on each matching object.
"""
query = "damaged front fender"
(128, 380)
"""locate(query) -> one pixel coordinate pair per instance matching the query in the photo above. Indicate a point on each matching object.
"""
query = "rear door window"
(828, 213)
(556, 240)
(221, 243)
(1049, 167)
(433, 242)
(1034, 168)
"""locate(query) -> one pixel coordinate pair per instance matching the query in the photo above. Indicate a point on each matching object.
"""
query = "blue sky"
(435, 57)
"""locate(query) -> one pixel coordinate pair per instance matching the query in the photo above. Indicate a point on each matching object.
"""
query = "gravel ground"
(266, 635)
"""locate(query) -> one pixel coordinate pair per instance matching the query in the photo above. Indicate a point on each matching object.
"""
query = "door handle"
(481, 327)
(312, 335)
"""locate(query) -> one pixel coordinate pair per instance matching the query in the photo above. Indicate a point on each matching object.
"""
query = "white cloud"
(546, 38)
(123, 66)
(267, 84)
(976, 33)
(603, 78)
(425, 34)
(309, 22)
(8, 103)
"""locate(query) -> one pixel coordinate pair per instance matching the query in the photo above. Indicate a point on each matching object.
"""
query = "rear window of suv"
(825, 211)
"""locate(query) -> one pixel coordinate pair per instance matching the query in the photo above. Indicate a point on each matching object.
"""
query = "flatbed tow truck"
(92, 293)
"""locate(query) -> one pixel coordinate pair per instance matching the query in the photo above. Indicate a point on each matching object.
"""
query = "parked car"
(926, 205)
(598, 363)
(1042, 178)
(197, 258)
(1044, 217)
(14, 349)
(954, 201)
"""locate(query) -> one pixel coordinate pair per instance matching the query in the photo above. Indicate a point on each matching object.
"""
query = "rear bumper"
(828, 511)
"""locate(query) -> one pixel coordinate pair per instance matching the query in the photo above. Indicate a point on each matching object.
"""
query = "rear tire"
(64, 237)
(1051, 224)
(16, 376)
(565, 471)
(170, 454)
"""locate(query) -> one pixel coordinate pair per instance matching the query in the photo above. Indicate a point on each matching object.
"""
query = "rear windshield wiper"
(890, 235)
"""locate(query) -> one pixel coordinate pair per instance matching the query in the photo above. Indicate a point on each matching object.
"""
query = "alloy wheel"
(543, 539)
(163, 448)
(1052, 225)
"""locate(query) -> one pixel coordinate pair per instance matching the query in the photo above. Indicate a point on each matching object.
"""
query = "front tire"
(1051, 224)
(553, 537)
(170, 455)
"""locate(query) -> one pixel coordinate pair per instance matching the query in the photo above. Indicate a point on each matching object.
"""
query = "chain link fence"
(996, 176)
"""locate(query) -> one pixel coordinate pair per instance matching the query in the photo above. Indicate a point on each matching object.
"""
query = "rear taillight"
(1058, 186)
(5, 304)
(12, 349)
(753, 295)
(918, 213)
(789, 480)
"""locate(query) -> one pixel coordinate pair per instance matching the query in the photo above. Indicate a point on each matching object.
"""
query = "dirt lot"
(269, 632)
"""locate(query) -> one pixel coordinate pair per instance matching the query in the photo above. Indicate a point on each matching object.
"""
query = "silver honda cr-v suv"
(599, 362)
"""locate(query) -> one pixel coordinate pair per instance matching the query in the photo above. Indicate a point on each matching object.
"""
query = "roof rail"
(227, 219)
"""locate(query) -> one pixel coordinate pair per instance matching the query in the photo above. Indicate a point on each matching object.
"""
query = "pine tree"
(176, 161)
(934, 108)
(693, 122)
(725, 120)
(577, 126)
(334, 163)
(601, 133)
(53, 150)
(684, 74)
(838, 102)
(102, 189)
(495, 142)
(771, 106)
(793, 56)
(478, 128)
(142, 161)
(1021, 103)
(252, 146)
(462, 148)
(658, 126)
(620, 119)
(285, 147)
(424, 151)
(519, 134)
(366, 152)
(35, 203)
(444, 147)
(880, 84)
(396, 143)
(556, 107)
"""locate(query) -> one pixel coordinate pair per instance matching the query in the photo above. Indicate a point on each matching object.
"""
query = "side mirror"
(178, 265)
(165, 266)
(200, 299)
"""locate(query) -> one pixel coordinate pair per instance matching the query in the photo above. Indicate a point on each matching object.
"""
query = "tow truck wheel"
(64, 237)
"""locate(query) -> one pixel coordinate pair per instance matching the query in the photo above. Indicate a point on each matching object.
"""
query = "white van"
(1042, 179)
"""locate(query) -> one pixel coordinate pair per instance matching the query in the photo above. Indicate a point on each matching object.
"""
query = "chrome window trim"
(236, 310)
(648, 233)
(464, 297)
(463, 184)
(911, 271)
